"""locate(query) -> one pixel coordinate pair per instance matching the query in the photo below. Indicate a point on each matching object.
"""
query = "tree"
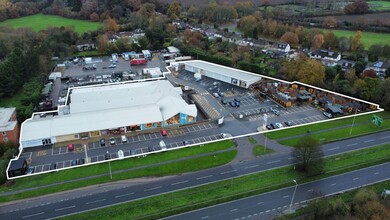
(265, 4)
(307, 155)
(356, 41)
(174, 10)
(386, 51)
(94, 17)
(350, 75)
(304, 70)
(290, 38)
(344, 44)
(317, 42)
(134, 5)
(330, 40)
(357, 7)
(374, 52)
(103, 43)
(110, 25)
(330, 22)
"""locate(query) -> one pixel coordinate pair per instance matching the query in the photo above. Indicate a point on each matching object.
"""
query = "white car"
(124, 139)
(328, 115)
(278, 125)
(112, 141)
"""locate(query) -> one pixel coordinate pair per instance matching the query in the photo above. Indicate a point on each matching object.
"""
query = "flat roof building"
(96, 110)
(225, 74)
(9, 127)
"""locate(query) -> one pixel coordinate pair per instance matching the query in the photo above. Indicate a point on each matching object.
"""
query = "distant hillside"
(189, 2)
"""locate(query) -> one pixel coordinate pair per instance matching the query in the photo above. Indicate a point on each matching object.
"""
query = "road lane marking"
(376, 173)
(286, 196)
(204, 177)
(309, 190)
(233, 210)
(275, 161)
(205, 217)
(158, 187)
(355, 178)
(28, 216)
(250, 167)
(335, 148)
(100, 200)
(127, 194)
(369, 141)
(348, 145)
(231, 171)
(333, 184)
(385, 137)
(259, 203)
(179, 183)
(69, 207)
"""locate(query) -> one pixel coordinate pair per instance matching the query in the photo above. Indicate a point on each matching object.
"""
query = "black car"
(107, 156)
(223, 101)
(73, 163)
(53, 166)
(185, 143)
(236, 100)
(102, 142)
(81, 161)
(269, 127)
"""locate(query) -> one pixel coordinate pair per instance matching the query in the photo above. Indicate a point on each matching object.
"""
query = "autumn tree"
(307, 155)
(350, 75)
(174, 10)
(265, 4)
(317, 42)
(356, 41)
(330, 40)
(290, 38)
(374, 52)
(110, 25)
(134, 5)
(357, 7)
(330, 22)
(344, 44)
(94, 17)
(103, 43)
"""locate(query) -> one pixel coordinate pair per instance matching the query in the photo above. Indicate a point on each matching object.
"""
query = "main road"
(268, 205)
(66, 203)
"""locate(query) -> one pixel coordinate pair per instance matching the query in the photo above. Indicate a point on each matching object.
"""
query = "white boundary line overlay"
(172, 65)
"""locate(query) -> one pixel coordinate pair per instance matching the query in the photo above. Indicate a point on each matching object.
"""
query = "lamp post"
(265, 142)
(109, 164)
(353, 122)
(295, 189)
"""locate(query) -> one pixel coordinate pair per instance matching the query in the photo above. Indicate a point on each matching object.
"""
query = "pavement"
(271, 204)
(68, 202)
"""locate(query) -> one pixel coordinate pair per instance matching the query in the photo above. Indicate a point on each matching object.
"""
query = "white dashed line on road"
(204, 177)
(250, 167)
(259, 203)
(376, 173)
(384, 137)
(158, 187)
(333, 184)
(69, 207)
(348, 145)
(100, 200)
(231, 171)
(275, 161)
(127, 194)
(369, 141)
(335, 148)
(355, 178)
(205, 217)
(28, 216)
(179, 183)
(233, 210)
(286, 196)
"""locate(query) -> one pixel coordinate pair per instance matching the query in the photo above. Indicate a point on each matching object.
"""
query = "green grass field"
(379, 5)
(259, 150)
(368, 38)
(40, 22)
(14, 101)
(198, 197)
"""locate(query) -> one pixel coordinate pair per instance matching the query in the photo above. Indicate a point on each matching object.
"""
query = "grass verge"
(259, 150)
(173, 168)
(40, 22)
(223, 191)
(252, 140)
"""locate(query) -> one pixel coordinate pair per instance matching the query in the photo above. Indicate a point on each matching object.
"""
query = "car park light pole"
(86, 154)
(353, 122)
(295, 189)
(109, 165)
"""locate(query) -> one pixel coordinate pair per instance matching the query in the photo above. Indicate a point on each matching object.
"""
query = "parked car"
(81, 161)
(70, 147)
(185, 143)
(327, 114)
(163, 132)
(221, 94)
(133, 152)
(107, 156)
(237, 104)
(237, 100)
(269, 127)
(112, 141)
(288, 123)
(102, 142)
(223, 101)
(232, 103)
(141, 61)
(276, 112)
(278, 125)
(53, 166)
(73, 163)
(124, 139)
(112, 66)
(30, 170)
(215, 95)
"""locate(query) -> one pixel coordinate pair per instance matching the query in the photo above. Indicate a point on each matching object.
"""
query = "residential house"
(380, 67)
(138, 33)
(346, 64)
(327, 57)
(9, 127)
(283, 47)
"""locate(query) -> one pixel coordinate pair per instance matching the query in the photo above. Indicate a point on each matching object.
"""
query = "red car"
(163, 132)
(70, 147)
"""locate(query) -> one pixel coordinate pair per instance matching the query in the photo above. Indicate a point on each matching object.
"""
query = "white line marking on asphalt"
(69, 207)
(127, 194)
(205, 217)
(259, 203)
(233, 210)
(355, 178)
(309, 190)
(275, 161)
(268, 211)
(286, 196)
(351, 144)
(376, 173)
(290, 158)
(204, 177)
(158, 187)
(100, 200)
(335, 148)
(250, 167)
(28, 216)
(369, 141)
(249, 216)
(333, 184)
(261, 213)
(231, 171)
(385, 137)
(179, 183)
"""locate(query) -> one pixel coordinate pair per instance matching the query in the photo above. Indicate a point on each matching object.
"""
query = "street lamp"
(295, 189)
(109, 164)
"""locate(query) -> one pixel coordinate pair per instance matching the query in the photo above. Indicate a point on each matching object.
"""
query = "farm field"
(379, 5)
(40, 22)
(368, 39)
(369, 18)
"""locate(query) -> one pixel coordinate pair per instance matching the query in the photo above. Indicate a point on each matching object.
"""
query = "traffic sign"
(376, 120)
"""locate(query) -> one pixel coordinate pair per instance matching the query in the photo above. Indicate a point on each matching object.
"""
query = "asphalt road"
(71, 202)
(268, 205)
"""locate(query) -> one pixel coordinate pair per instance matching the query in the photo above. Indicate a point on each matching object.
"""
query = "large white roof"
(223, 70)
(112, 106)
(5, 117)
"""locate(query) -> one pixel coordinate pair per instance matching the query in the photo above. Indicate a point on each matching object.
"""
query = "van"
(124, 139)
(138, 62)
